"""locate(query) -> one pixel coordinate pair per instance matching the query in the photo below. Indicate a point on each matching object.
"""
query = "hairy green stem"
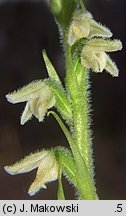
(77, 85)
(83, 177)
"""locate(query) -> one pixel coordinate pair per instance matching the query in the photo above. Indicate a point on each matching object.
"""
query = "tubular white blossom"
(93, 55)
(83, 26)
(47, 169)
(39, 99)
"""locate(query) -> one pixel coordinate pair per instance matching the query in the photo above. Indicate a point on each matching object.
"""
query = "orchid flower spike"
(47, 171)
(84, 26)
(93, 55)
(38, 98)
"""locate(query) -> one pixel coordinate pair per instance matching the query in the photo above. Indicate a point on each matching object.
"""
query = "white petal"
(99, 62)
(26, 93)
(97, 30)
(42, 110)
(78, 15)
(101, 45)
(44, 106)
(71, 37)
(79, 28)
(47, 172)
(35, 187)
(26, 115)
(111, 67)
(93, 60)
(85, 57)
(33, 106)
(27, 164)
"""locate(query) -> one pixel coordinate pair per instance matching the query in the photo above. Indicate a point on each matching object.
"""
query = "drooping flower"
(84, 26)
(47, 171)
(94, 55)
(38, 98)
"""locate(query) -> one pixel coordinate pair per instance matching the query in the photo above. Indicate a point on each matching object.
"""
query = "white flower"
(84, 26)
(93, 55)
(47, 169)
(39, 99)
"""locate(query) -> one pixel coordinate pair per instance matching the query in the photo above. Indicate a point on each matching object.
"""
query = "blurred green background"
(26, 27)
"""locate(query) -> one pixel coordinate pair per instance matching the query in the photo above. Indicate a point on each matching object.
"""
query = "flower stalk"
(85, 45)
(77, 81)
